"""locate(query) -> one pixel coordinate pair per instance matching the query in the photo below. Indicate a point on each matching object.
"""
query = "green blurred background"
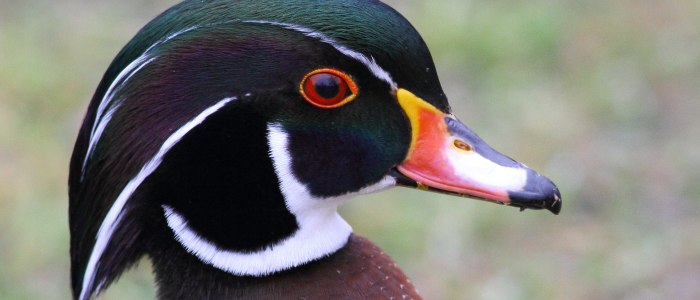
(601, 96)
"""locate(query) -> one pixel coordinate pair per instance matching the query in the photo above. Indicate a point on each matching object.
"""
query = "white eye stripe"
(114, 215)
(102, 119)
(369, 62)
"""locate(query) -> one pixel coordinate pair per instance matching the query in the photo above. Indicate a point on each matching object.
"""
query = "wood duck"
(225, 134)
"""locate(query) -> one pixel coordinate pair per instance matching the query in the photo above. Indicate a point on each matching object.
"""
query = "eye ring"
(328, 88)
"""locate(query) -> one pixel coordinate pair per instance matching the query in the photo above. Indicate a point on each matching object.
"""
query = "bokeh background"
(601, 96)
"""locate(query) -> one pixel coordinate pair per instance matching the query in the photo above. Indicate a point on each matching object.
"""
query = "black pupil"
(327, 86)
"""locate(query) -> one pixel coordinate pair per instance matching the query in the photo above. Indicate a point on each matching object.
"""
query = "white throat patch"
(321, 229)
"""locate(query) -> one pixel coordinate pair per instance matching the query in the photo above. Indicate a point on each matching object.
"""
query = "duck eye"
(328, 88)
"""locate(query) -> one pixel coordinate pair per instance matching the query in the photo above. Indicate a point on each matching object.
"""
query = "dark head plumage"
(200, 142)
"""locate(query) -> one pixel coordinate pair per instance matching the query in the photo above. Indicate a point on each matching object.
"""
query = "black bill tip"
(540, 193)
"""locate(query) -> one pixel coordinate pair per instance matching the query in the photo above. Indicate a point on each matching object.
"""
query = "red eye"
(328, 88)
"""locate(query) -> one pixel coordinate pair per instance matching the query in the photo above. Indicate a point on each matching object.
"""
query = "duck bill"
(446, 156)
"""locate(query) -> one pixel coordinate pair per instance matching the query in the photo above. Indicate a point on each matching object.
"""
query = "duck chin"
(318, 236)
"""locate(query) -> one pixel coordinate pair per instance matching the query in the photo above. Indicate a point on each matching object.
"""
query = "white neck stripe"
(282, 256)
(114, 215)
(369, 62)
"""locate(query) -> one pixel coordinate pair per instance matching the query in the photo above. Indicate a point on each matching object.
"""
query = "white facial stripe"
(321, 229)
(102, 119)
(485, 172)
(317, 217)
(369, 62)
(297, 196)
(114, 215)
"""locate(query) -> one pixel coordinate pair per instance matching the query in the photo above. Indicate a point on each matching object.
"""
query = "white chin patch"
(321, 229)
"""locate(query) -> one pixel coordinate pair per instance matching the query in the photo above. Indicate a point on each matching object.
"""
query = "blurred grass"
(601, 96)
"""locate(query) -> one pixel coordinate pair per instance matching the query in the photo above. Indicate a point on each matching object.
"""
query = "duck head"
(234, 129)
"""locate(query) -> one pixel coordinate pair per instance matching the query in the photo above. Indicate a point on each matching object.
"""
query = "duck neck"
(358, 270)
(319, 234)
